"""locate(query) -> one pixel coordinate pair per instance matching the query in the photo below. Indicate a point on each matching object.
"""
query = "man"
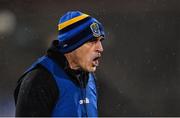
(62, 83)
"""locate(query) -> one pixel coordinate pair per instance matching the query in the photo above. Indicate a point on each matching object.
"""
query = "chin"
(92, 69)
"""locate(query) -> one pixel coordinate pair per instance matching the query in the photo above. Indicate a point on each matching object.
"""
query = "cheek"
(85, 56)
(87, 59)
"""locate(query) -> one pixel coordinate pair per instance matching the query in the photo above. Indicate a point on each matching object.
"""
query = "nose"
(99, 46)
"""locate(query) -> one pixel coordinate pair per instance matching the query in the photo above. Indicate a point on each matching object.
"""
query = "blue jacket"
(73, 100)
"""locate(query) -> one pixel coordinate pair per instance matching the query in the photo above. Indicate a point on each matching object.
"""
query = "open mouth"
(96, 61)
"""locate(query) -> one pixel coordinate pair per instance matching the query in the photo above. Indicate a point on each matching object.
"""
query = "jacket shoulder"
(37, 77)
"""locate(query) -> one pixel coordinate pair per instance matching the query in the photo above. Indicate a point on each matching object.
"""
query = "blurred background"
(139, 73)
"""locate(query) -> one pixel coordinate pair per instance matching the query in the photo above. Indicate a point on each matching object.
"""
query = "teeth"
(96, 63)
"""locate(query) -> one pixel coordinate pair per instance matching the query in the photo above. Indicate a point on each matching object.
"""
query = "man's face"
(87, 56)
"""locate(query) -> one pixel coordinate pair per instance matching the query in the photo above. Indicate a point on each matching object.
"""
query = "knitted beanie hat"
(76, 28)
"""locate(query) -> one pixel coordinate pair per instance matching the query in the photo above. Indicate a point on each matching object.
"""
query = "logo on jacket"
(85, 101)
(95, 30)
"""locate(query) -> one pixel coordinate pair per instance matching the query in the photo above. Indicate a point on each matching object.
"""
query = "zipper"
(83, 95)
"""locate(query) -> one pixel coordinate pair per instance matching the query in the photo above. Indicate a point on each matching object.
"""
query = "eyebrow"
(101, 38)
(96, 39)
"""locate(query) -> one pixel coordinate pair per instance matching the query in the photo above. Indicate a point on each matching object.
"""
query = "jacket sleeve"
(37, 95)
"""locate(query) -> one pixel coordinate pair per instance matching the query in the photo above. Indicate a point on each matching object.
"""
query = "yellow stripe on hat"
(71, 21)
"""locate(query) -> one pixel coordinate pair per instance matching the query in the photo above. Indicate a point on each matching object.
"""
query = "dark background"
(139, 72)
